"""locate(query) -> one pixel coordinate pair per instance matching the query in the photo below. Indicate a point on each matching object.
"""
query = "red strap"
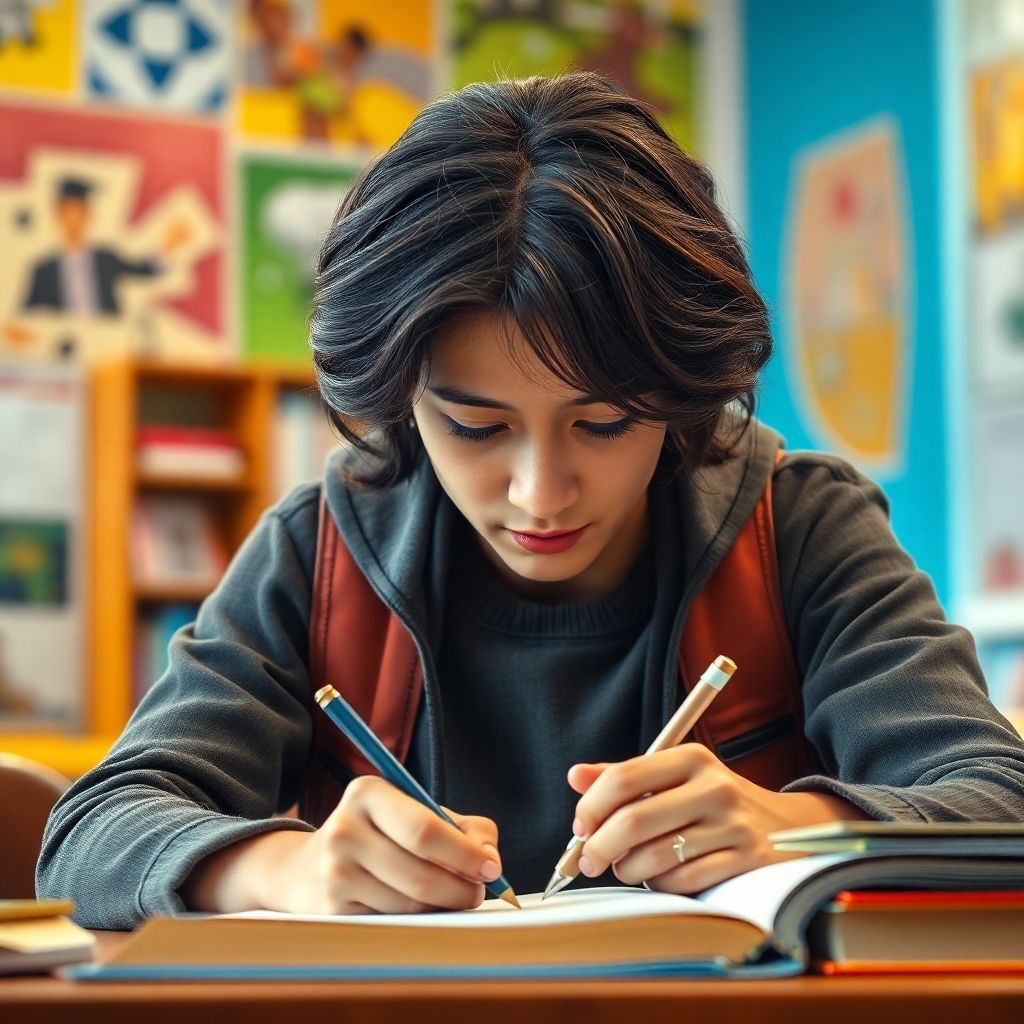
(357, 646)
(739, 613)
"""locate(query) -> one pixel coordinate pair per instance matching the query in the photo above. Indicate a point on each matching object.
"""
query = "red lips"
(547, 543)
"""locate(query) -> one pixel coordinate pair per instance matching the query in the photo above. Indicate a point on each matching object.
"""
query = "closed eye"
(460, 430)
(606, 431)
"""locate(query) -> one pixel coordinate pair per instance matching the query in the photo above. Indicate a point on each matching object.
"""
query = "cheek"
(467, 481)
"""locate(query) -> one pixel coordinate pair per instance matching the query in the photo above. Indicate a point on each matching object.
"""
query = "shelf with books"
(184, 482)
(131, 613)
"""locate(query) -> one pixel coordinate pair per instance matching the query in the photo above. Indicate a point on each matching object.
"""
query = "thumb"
(582, 776)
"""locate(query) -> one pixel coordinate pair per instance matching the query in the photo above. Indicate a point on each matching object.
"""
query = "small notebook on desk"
(754, 925)
(37, 935)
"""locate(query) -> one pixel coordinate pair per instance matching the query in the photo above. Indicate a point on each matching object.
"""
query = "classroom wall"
(842, 109)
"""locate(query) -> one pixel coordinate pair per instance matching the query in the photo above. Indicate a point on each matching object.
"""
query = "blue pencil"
(342, 714)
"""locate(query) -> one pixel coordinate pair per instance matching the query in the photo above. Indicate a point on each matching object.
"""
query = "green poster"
(650, 47)
(287, 209)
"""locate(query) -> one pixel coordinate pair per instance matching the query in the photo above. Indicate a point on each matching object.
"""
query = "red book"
(915, 931)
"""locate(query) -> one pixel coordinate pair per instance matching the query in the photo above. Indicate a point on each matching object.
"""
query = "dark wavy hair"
(561, 203)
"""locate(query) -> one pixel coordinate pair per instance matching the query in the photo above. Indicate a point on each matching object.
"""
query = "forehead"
(487, 353)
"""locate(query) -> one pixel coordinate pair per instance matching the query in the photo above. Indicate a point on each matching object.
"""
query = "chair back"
(28, 791)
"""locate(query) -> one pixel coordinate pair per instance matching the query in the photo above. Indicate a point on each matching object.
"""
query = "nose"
(543, 483)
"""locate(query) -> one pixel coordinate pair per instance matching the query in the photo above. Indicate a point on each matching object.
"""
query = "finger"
(626, 781)
(639, 822)
(413, 827)
(582, 776)
(702, 873)
(421, 881)
(374, 897)
(657, 856)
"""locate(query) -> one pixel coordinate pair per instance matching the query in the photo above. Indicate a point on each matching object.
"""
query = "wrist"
(818, 808)
(247, 875)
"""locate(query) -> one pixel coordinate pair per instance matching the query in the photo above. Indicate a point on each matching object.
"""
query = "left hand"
(724, 818)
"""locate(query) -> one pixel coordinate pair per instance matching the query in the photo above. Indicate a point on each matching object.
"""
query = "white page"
(759, 894)
(567, 907)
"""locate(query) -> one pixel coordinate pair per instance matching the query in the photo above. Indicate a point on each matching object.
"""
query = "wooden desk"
(909, 1000)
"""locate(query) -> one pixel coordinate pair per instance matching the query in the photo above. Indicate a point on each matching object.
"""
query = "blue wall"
(815, 68)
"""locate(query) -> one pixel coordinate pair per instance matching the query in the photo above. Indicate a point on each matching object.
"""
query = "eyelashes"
(606, 431)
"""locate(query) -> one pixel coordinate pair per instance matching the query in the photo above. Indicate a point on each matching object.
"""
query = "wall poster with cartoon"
(112, 229)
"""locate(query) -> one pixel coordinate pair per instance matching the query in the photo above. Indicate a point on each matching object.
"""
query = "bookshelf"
(242, 401)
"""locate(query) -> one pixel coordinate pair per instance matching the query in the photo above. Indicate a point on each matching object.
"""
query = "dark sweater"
(894, 700)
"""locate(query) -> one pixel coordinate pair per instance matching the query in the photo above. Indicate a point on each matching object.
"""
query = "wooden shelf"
(240, 399)
(182, 482)
(172, 592)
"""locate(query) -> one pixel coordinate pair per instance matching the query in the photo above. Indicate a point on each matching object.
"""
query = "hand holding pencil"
(429, 859)
(710, 684)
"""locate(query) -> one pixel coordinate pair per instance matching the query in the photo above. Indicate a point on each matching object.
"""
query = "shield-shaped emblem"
(847, 293)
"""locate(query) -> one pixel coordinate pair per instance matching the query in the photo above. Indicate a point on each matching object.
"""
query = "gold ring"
(679, 849)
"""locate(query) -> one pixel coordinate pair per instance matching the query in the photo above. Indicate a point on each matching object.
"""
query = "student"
(538, 334)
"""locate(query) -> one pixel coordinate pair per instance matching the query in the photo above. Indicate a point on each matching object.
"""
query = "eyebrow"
(460, 397)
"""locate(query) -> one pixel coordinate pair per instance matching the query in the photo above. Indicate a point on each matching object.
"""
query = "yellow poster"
(847, 303)
(997, 99)
(345, 72)
(37, 44)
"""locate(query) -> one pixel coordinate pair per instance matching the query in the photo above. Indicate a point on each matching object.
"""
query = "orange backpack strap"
(362, 649)
(756, 723)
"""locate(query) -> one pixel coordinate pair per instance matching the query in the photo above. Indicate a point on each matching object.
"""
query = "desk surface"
(909, 999)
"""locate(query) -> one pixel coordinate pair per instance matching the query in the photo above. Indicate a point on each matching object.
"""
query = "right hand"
(381, 850)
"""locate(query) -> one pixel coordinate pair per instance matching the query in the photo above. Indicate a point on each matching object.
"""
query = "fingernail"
(586, 867)
(578, 828)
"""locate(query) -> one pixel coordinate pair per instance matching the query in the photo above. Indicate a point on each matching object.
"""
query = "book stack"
(177, 451)
(176, 543)
(302, 440)
(945, 910)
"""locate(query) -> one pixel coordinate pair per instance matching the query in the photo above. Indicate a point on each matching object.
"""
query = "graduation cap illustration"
(74, 188)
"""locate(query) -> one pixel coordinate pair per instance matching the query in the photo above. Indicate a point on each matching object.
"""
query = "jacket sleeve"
(894, 698)
(213, 751)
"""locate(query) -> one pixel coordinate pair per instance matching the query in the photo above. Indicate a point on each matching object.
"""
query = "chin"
(549, 568)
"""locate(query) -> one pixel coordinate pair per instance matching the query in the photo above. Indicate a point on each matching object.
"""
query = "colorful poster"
(112, 232)
(33, 562)
(997, 338)
(651, 47)
(287, 208)
(154, 53)
(42, 451)
(347, 72)
(997, 108)
(846, 278)
(37, 44)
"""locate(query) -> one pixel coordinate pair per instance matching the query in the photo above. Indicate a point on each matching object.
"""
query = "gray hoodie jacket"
(894, 699)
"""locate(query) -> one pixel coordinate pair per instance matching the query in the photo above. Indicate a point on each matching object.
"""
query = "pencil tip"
(557, 884)
(510, 897)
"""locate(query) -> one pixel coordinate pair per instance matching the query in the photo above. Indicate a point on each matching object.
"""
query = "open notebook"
(752, 925)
